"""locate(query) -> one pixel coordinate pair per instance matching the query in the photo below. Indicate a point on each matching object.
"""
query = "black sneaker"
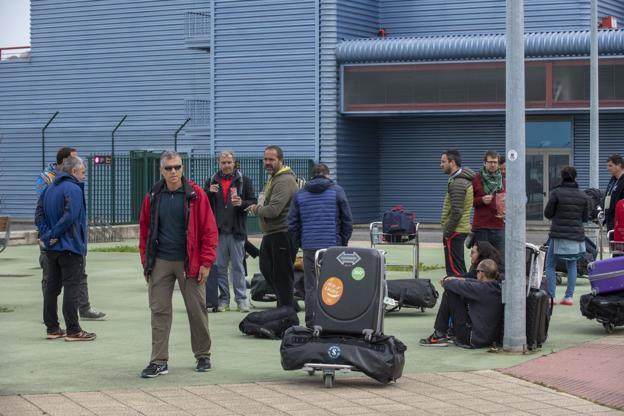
(93, 315)
(58, 333)
(80, 336)
(203, 365)
(433, 341)
(154, 370)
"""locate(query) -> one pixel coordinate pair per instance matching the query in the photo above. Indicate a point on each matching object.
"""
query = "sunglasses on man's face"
(177, 168)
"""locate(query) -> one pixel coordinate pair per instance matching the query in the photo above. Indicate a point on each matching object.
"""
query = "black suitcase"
(269, 324)
(261, 291)
(412, 293)
(351, 289)
(381, 358)
(608, 309)
(538, 311)
(212, 290)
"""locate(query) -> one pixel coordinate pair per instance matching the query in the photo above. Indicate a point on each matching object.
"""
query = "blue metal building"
(314, 77)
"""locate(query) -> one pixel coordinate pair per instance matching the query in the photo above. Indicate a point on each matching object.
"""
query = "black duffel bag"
(261, 290)
(606, 309)
(412, 293)
(382, 358)
(270, 323)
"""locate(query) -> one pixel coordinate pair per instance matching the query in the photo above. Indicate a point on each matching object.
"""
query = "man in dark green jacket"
(455, 219)
(277, 250)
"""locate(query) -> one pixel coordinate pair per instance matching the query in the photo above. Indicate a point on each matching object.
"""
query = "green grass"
(408, 268)
(115, 249)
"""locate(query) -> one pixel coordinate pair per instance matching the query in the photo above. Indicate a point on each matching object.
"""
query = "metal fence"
(136, 172)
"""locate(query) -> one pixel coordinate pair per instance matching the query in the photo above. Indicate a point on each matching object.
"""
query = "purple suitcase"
(607, 276)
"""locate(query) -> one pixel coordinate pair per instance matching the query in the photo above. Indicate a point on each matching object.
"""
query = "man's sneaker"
(223, 308)
(154, 370)
(80, 336)
(566, 301)
(93, 315)
(243, 307)
(203, 365)
(59, 333)
(433, 341)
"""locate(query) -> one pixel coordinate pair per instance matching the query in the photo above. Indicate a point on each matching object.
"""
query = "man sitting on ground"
(475, 308)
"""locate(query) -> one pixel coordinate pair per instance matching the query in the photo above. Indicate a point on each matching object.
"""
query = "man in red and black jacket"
(177, 241)
(487, 222)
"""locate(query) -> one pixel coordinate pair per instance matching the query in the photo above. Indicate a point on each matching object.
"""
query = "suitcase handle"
(318, 261)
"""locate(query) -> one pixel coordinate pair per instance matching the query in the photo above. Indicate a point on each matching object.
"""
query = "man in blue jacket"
(62, 225)
(319, 217)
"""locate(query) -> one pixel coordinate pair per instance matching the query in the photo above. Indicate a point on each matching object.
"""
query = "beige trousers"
(160, 286)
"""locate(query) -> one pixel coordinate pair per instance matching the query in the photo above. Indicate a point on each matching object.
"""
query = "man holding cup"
(230, 193)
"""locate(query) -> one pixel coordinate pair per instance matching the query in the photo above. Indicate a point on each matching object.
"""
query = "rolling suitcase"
(212, 290)
(381, 357)
(607, 309)
(412, 293)
(607, 276)
(351, 289)
(538, 311)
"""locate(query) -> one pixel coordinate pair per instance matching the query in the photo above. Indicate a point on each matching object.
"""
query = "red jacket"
(201, 234)
(484, 214)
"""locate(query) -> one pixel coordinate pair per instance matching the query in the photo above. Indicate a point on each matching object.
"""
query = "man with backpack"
(319, 217)
(230, 193)
(456, 211)
(44, 180)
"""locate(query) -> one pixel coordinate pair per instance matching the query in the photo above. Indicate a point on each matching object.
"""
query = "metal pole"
(43, 161)
(175, 135)
(593, 99)
(112, 172)
(514, 288)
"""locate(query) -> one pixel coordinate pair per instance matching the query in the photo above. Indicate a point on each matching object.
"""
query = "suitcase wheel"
(328, 378)
(609, 327)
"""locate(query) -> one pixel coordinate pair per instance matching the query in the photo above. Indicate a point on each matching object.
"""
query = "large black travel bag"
(261, 291)
(412, 293)
(212, 290)
(538, 311)
(351, 289)
(269, 324)
(382, 357)
(608, 309)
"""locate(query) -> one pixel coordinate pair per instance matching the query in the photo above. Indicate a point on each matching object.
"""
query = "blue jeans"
(231, 252)
(551, 275)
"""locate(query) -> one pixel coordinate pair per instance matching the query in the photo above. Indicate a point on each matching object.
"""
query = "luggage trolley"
(615, 247)
(378, 237)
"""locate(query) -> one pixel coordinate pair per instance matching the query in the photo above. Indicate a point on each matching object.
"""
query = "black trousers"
(83, 289)
(65, 270)
(277, 255)
(454, 254)
(494, 236)
(453, 307)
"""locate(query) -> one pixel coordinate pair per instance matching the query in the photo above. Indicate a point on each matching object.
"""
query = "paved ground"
(247, 378)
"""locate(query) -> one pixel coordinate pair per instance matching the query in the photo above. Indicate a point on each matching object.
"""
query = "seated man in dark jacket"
(473, 305)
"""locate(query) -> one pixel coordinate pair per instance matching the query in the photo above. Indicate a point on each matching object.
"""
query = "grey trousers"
(231, 251)
(82, 292)
(160, 286)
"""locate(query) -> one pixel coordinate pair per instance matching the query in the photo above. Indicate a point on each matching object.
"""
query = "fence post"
(90, 188)
(175, 135)
(112, 175)
(43, 162)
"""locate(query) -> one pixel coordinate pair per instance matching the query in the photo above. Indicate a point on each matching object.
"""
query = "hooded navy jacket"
(320, 216)
(61, 215)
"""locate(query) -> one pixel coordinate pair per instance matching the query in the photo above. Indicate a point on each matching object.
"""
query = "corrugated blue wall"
(266, 78)
(612, 8)
(428, 17)
(95, 62)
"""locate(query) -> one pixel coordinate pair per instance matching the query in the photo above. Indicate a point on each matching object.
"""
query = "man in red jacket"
(178, 240)
(487, 222)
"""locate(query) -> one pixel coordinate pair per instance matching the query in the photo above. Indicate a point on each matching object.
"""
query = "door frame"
(545, 153)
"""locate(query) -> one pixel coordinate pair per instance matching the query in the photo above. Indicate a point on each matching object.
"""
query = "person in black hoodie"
(568, 209)
(473, 305)
(230, 193)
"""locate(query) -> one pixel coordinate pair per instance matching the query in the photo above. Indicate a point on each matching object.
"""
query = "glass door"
(543, 173)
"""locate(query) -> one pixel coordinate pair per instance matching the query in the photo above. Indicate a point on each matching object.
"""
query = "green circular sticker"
(358, 273)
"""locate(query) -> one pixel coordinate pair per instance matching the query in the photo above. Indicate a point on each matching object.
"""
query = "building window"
(474, 86)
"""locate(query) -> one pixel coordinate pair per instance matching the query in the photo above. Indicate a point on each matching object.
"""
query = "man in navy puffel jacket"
(319, 217)
(62, 228)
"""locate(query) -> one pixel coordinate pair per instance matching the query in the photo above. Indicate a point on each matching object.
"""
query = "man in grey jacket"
(277, 250)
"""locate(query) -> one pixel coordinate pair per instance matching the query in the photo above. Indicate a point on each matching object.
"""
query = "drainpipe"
(112, 172)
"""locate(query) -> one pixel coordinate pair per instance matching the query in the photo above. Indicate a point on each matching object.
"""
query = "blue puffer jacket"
(320, 216)
(61, 215)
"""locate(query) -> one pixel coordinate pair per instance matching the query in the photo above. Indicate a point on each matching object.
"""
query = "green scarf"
(492, 182)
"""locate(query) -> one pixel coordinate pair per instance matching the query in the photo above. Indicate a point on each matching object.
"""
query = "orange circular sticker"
(332, 291)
